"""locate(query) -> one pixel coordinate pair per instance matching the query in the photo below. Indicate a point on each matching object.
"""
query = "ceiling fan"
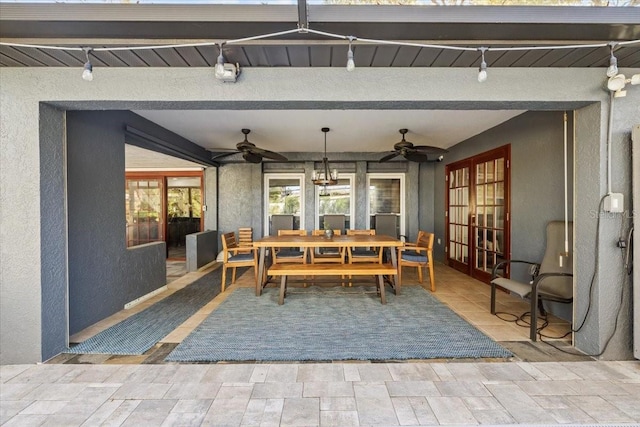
(250, 152)
(414, 153)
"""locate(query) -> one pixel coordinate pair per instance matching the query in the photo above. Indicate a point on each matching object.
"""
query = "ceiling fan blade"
(220, 156)
(252, 157)
(389, 157)
(415, 156)
(429, 149)
(269, 154)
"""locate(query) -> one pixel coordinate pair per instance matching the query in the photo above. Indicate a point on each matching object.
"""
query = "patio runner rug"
(143, 330)
(329, 324)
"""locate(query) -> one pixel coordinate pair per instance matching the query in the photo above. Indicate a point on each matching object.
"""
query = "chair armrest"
(494, 272)
(540, 277)
(243, 249)
(412, 247)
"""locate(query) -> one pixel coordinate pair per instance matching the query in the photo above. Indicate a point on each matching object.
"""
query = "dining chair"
(327, 255)
(418, 254)
(356, 254)
(245, 237)
(236, 256)
(289, 255)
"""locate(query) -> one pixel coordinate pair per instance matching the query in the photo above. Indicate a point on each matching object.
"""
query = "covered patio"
(66, 269)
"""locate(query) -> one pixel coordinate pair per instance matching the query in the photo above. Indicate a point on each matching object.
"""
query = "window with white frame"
(386, 195)
(336, 199)
(284, 195)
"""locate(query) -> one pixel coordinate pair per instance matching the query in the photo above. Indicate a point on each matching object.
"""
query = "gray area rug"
(328, 324)
(140, 332)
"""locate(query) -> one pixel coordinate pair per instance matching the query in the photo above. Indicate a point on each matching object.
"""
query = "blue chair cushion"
(289, 254)
(414, 256)
(240, 258)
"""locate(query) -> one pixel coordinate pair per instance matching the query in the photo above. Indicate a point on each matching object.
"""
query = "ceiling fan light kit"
(325, 176)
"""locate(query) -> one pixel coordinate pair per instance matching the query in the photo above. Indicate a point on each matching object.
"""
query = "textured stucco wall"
(23, 89)
(103, 274)
(53, 230)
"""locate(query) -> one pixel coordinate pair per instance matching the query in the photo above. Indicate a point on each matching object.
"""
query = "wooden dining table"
(312, 242)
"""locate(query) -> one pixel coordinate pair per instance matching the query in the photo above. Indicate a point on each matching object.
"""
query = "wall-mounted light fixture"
(225, 71)
(617, 83)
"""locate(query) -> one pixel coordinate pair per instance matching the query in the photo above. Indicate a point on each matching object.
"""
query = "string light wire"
(329, 35)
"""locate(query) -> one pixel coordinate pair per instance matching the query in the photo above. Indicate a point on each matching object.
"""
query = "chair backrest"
(425, 240)
(245, 236)
(229, 240)
(281, 222)
(387, 225)
(335, 222)
(558, 286)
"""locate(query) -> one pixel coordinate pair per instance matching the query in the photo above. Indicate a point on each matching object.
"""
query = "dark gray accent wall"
(103, 274)
(53, 232)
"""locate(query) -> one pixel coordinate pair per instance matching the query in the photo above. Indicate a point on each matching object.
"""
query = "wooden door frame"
(504, 152)
(163, 175)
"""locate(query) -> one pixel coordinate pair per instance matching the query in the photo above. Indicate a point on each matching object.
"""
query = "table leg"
(394, 262)
(259, 282)
(283, 289)
(383, 298)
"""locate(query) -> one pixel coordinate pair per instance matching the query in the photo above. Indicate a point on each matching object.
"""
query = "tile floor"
(92, 390)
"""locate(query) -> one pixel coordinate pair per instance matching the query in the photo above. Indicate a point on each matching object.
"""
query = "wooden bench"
(360, 269)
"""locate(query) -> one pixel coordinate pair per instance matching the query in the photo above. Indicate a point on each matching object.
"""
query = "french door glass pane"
(458, 214)
(143, 211)
(489, 213)
(184, 209)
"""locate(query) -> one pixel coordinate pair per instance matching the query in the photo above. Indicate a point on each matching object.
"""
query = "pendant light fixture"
(325, 176)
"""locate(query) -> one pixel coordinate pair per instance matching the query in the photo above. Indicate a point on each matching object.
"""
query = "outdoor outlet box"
(614, 203)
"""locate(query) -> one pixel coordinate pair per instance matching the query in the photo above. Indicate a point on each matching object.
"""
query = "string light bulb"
(613, 62)
(87, 72)
(218, 70)
(482, 71)
(351, 65)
